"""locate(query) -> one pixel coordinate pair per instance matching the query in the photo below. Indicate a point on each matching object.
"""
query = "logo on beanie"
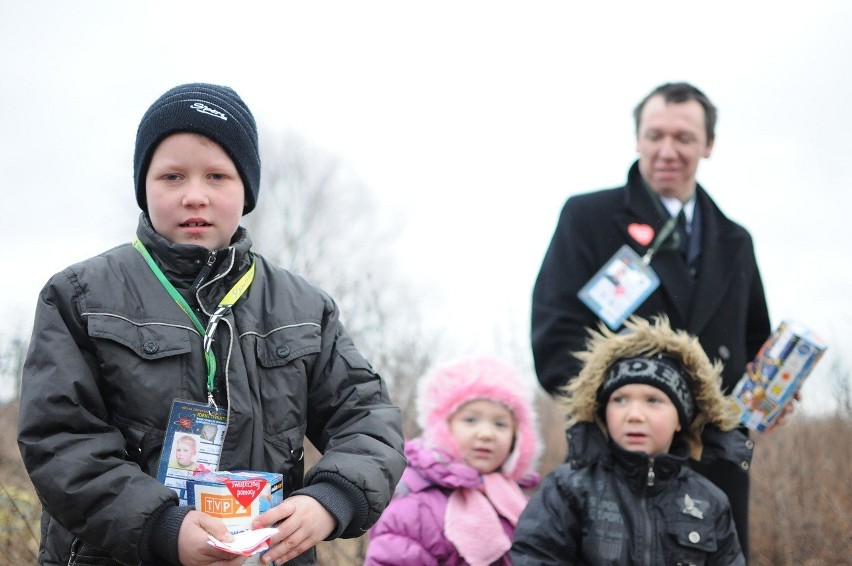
(660, 372)
(204, 109)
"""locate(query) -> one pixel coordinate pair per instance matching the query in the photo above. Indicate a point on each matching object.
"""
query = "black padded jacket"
(608, 506)
(111, 350)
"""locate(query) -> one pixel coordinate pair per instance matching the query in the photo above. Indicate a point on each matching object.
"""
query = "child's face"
(641, 418)
(184, 453)
(484, 430)
(194, 191)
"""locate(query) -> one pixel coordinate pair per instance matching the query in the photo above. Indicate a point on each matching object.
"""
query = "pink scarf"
(472, 519)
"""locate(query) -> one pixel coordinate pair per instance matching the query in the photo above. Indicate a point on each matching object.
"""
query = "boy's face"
(641, 418)
(184, 453)
(485, 431)
(194, 191)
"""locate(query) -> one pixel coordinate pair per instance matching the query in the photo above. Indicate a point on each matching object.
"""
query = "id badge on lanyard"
(625, 281)
(192, 445)
(619, 287)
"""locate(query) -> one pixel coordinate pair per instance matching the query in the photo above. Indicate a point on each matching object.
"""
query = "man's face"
(194, 191)
(671, 140)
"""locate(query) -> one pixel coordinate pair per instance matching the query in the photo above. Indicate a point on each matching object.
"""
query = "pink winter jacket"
(411, 529)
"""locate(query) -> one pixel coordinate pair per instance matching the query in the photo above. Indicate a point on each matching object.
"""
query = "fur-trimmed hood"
(644, 338)
(445, 389)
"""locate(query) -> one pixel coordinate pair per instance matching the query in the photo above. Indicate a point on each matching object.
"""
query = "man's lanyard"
(224, 307)
(662, 236)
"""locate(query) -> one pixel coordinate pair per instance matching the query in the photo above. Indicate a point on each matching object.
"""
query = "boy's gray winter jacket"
(606, 507)
(111, 350)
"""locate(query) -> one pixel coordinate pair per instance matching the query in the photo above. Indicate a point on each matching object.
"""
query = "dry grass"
(19, 508)
(801, 500)
(801, 497)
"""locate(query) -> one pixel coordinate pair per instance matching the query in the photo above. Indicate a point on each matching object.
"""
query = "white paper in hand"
(245, 543)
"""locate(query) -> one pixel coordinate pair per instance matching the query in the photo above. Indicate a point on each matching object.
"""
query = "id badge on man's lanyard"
(625, 281)
(195, 431)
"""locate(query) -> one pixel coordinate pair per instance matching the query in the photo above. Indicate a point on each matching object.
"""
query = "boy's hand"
(302, 523)
(193, 549)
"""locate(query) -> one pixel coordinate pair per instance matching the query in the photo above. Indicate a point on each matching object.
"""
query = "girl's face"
(641, 418)
(485, 431)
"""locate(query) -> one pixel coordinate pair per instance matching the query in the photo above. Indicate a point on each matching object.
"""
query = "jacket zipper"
(227, 382)
(205, 271)
(200, 282)
(648, 534)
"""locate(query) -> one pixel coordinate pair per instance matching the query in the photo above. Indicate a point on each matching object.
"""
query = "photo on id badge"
(193, 444)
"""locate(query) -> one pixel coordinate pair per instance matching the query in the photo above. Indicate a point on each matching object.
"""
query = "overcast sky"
(471, 121)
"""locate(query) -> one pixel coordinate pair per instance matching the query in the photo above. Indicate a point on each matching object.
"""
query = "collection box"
(777, 372)
(237, 497)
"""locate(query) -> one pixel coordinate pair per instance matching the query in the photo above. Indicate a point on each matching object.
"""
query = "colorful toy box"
(776, 374)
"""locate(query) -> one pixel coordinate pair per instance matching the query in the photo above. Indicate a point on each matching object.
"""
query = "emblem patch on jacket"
(694, 507)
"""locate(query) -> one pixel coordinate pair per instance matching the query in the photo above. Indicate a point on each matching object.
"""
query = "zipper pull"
(651, 474)
(205, 271)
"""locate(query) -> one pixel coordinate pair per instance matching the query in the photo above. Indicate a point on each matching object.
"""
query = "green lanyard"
(222, 309)
(664, 234)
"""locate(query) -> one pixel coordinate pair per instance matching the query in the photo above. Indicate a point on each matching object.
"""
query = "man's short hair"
(677, 93)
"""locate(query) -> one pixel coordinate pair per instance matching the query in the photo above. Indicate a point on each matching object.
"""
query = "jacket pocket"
(143, 366)
(286, 452)
(150, 341)
(693, 542)
(143, 444)
(287, 343)
(285, 359)
(84, 554)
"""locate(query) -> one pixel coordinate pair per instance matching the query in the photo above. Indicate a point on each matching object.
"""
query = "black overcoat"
(724, 305)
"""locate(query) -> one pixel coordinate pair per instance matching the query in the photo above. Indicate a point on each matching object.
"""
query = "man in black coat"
(710, 284)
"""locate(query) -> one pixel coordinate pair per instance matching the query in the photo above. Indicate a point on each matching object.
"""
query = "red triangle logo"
(245, 491)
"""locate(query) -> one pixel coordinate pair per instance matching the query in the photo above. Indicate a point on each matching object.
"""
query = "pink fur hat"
(444, 390)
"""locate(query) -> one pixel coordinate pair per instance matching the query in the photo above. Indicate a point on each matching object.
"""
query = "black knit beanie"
(214, 111)
(663, 372)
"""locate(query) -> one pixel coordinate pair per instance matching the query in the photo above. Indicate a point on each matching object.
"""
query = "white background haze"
(470, 122)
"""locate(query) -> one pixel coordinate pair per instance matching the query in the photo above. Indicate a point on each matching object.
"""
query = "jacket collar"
(635, 466)
(182, 263)
(695, 301)
(587, 444)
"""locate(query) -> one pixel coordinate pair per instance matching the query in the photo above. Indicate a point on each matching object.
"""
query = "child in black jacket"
(645, 401)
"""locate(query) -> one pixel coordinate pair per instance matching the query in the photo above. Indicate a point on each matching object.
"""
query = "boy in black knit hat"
(188, 312)
(646, 401)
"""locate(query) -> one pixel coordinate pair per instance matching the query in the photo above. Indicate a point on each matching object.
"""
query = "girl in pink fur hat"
(460, 497)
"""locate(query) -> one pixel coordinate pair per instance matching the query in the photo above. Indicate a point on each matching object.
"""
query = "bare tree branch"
(318, 220)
